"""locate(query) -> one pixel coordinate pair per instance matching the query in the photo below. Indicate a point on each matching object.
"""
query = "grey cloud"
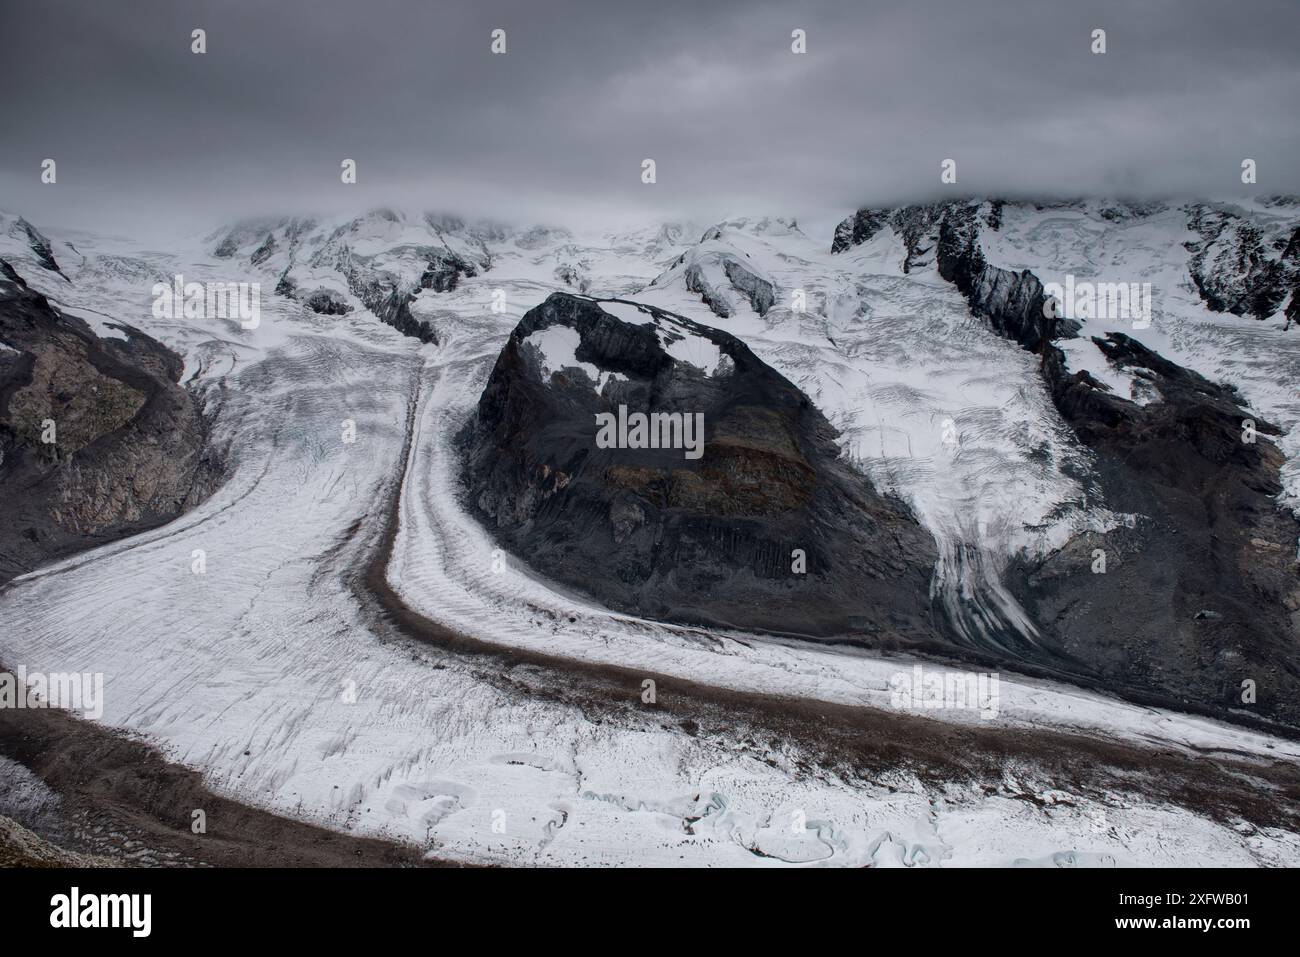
(150, 137)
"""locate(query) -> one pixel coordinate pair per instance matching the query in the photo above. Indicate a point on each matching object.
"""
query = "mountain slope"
(97, 440)
(517, 696)
(750, 522)
(1196, 597)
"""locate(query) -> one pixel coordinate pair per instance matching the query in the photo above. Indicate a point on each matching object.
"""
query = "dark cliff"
(97, 439)
(652, 531)
(1202, 594)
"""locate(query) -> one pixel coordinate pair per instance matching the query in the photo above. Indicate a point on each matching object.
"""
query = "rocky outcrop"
(326, 302)
(574, 274)
(767, 529)
(383, 295)
(859, 228)
(1011, 302)
(39, 245)
(919, 228)
(385, 259)
(697, 282)
(714, 270)
(265, 251)
(1200, 598)
(444, 271)
(97, 439)
(286, 286)
(1237, 268)
(395, 309)
(760, 291)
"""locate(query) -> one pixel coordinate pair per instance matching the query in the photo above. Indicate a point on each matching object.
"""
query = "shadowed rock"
(1202, 593)
(97, 439)
(652, 531)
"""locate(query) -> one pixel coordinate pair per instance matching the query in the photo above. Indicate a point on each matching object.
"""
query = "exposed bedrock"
(1202, 594)
(1240, 268)
(717, 272)
(1199, 600)
(97, 439)
(383, 259)
(41, 247)
(766, 530)
(326, 302)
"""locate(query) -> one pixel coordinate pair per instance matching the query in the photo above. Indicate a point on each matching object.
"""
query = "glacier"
(278, 674)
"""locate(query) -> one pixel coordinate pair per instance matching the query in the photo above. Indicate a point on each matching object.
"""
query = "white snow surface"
(263, 674)
(558, 348)
(1083, 355)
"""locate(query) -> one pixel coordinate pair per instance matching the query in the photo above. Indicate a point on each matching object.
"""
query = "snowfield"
(268, 672)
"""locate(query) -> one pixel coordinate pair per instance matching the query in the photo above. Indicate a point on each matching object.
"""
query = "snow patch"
(558, 349)
(1084, 355)
(685, 346)
(627, 312)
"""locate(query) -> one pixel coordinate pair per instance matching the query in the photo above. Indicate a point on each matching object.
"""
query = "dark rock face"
(128, 449)
(1237, 270)
(264, 252)
(39, 245)
(1203, 592)
(758, 291)
(286, 286)
(652, 531)
(327, 302)
(731, 264)
(573, 274)
(444, 272)
(1011, 302)
(858, 228)
(715, 299)
(395, 309)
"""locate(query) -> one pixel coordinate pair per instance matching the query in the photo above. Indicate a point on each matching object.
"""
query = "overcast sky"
(150, 138)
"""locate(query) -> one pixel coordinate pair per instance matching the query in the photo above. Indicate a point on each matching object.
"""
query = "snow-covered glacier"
(359, 651)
